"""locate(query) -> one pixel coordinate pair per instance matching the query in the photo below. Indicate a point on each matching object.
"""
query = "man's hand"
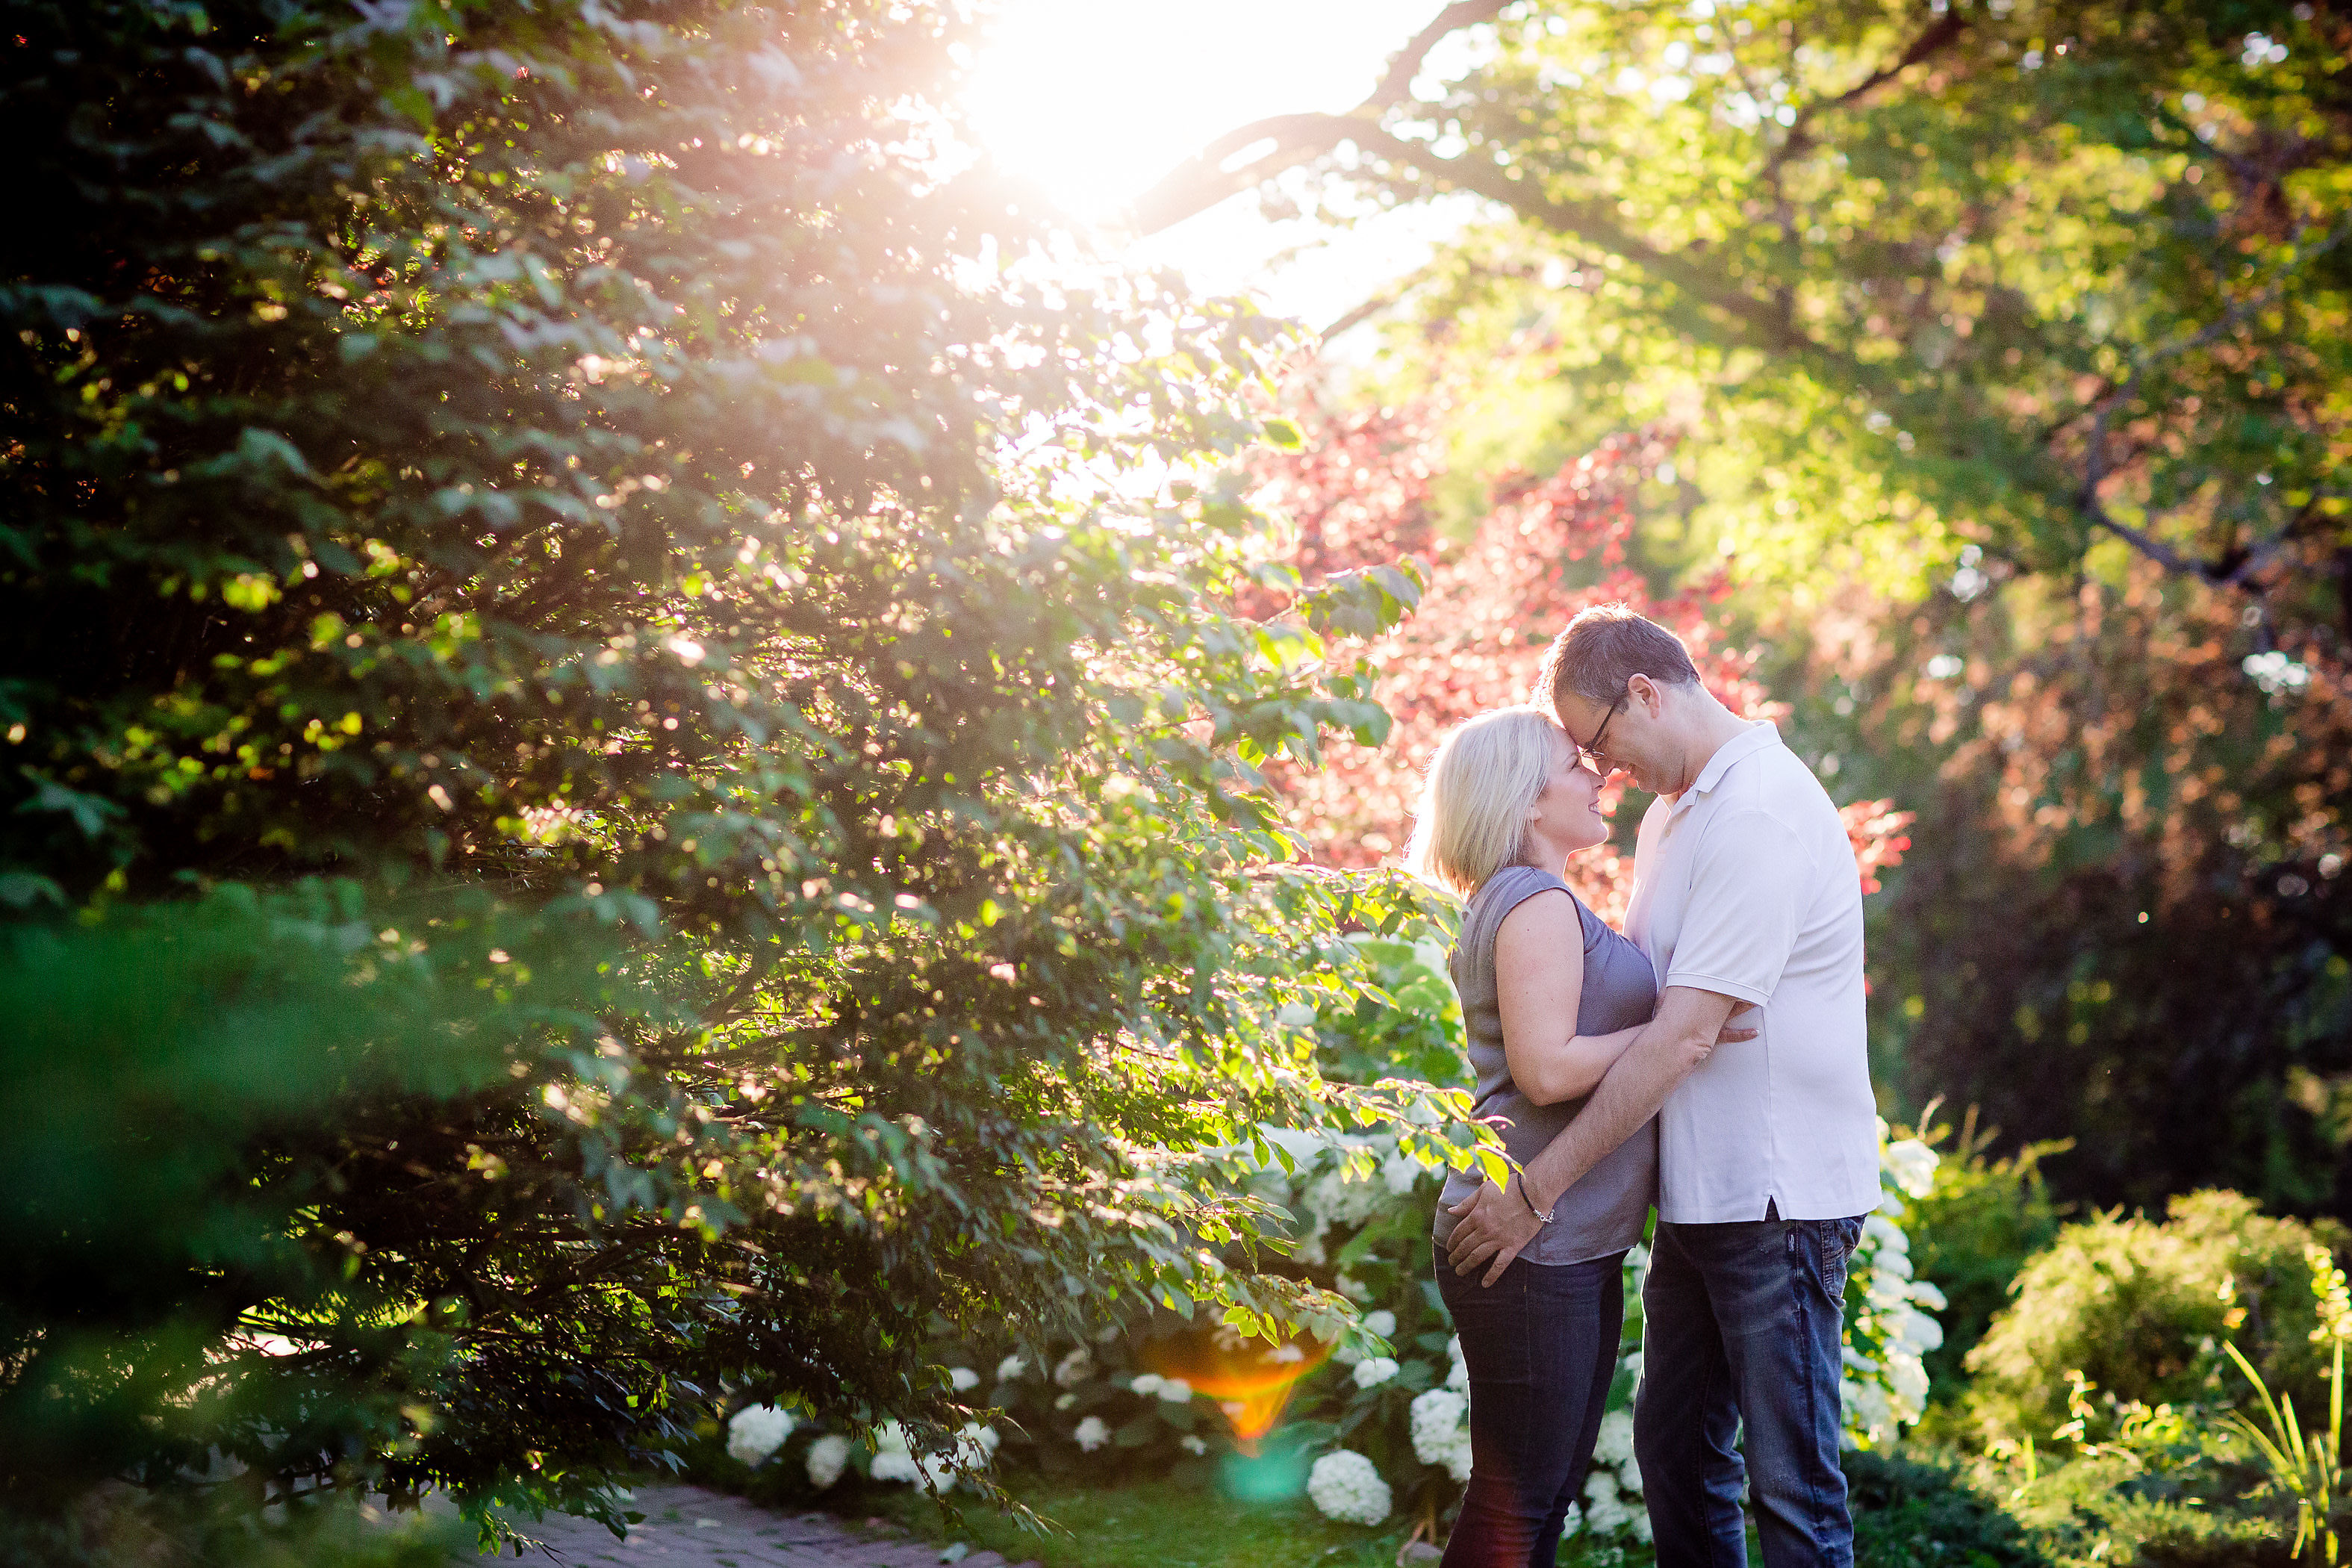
(1494, 1222)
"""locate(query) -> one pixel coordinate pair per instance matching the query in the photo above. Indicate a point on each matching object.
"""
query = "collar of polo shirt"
(1758, 736)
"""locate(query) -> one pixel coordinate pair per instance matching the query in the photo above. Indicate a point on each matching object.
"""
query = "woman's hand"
(1494, 1224)
(1730, 1033)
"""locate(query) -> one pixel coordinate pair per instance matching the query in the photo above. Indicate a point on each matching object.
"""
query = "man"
(1746, 895)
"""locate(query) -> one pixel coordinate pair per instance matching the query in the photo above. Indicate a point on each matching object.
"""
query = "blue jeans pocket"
(1833, 1241)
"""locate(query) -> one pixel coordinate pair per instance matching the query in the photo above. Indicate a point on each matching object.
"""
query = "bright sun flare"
(1094, 100)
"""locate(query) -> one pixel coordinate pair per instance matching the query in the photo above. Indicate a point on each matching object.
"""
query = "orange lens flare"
(1250, 1380)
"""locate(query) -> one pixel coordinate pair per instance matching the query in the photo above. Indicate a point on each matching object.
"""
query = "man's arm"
(1496, 1221)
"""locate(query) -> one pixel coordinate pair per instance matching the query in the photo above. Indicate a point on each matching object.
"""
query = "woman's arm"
(1539, 982)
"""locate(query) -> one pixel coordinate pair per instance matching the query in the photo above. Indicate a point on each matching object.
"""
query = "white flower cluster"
(1612, 1490)
(1441, 1431)
(827, 1457)
(1345, 1486)
(894, 1459)
(757, 1431)
(1174, 1390)
(1886, 1384)
(1325, 1191)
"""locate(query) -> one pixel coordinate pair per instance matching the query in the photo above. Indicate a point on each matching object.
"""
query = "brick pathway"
(686, 1527)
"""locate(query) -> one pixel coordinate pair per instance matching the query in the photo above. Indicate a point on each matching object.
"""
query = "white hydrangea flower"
(963, 1379)
(1908, 1377)
(1605, 1512)
(1075, 1368)
(1146, 1383)
(974, 1445)
(1927, 1295)
(1914, 1330)
(757, 1431)
(1382, 1322)
(1572, 1521)
(1191, 1443)
(1091, 1433)
(1441, 1431)
(936, 1473)
(1399, 1172)
(1460, 1376)
(1913, 1166)
(1334, 1199)
(1615, 1446)
(1294, 1016)
(1175, 1390)
(1344, 1485)
(1867, 1410)
(1011, 1367)
(1354, 1289)
(1065, 1401)
(892, 1459)
(1628, 1475)
(1373, 1371)
(826, 1458)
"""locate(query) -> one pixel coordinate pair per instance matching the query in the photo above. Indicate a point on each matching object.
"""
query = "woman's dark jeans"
(1542, 1346)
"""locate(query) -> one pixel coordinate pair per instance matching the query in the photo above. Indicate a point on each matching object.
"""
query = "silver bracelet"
(1541, 1217)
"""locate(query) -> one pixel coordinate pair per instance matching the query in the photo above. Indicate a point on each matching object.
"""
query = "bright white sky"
(1094, 100)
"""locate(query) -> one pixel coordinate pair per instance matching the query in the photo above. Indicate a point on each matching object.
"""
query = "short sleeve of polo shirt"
(1750, 883)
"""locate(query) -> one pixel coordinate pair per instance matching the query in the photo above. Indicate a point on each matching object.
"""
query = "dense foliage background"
(2000, 346)
(604, 806)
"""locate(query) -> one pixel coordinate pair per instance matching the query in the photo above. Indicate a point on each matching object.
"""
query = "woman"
(1551, 997)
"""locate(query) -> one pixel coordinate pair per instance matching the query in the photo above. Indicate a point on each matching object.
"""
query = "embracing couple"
(1711, 1060)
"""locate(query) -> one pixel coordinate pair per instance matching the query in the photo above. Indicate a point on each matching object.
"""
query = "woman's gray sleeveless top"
(1605, 1211)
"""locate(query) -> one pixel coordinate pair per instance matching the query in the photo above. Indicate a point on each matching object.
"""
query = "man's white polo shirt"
(1745, 885)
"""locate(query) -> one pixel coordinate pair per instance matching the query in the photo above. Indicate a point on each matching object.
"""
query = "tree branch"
(1946, 30)
(1396, 84)
(1202, 181)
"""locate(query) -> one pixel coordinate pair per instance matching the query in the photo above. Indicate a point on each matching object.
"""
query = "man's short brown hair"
(1603, 648)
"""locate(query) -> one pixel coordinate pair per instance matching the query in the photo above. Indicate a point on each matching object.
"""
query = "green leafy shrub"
(1907, 1512)
(1973, 1233)
(2138, 1308)
(2161, 1485)
(542, 466)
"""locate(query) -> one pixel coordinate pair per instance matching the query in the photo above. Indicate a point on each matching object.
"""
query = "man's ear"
(1648, 692)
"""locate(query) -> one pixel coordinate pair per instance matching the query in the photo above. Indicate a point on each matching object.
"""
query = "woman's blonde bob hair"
(1472, 817)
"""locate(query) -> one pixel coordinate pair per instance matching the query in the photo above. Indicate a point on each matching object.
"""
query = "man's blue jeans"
(1741, 1328)
(1540, 1345)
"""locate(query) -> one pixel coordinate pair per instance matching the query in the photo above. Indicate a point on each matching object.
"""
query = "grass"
(1155, 1527)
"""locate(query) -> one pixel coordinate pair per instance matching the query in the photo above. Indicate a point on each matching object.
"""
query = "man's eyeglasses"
(1589, 753)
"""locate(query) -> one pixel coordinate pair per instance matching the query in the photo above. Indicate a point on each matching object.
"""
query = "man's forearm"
(1662, 1056)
